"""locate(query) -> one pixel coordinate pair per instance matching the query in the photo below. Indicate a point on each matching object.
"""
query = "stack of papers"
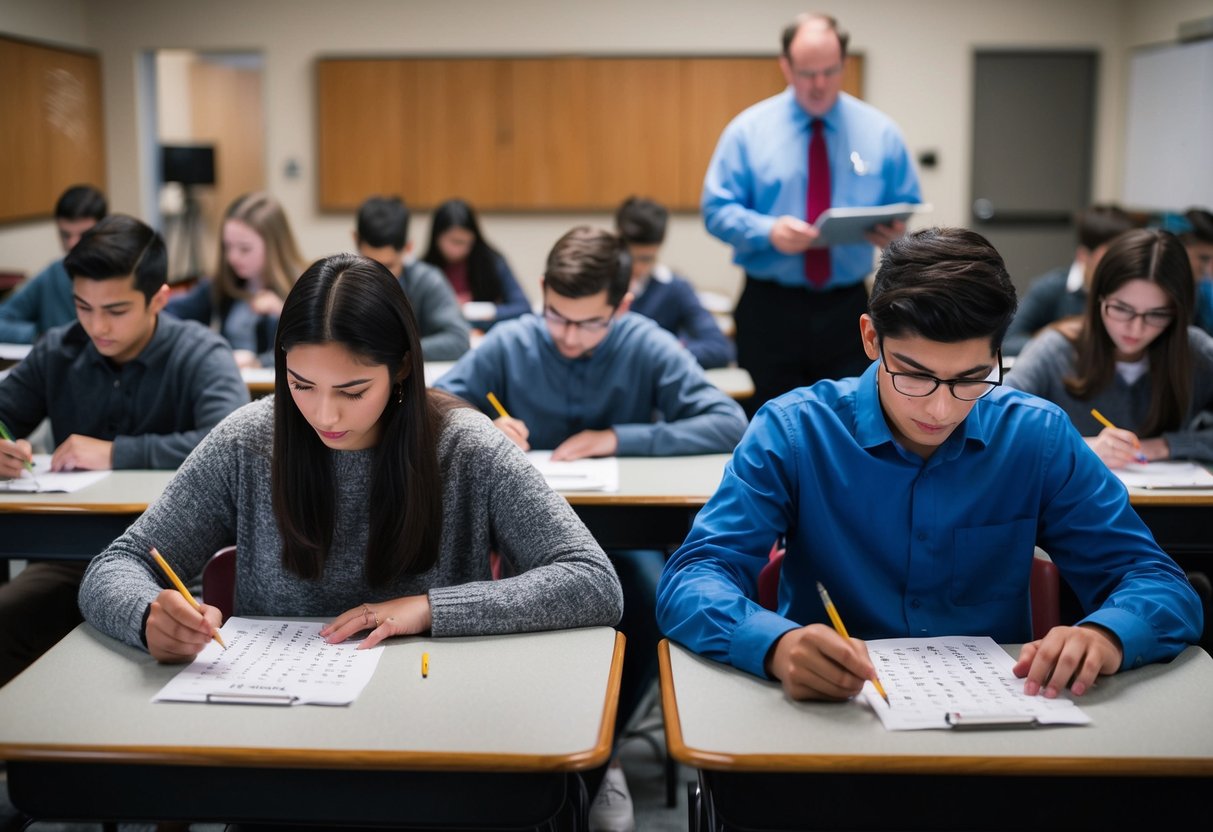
(580, 475)
(1166, 475)
(45, 481)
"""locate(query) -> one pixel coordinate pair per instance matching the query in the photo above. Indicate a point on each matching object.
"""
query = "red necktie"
(817, 260)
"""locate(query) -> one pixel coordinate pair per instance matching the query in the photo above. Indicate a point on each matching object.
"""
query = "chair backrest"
(219, 580)
(1044, 590)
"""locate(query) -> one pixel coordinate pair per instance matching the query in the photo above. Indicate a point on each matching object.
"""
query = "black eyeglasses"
(1117, 311)
(591, 327)
(919, 385)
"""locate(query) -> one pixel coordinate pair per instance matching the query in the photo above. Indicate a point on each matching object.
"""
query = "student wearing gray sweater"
(356, 494)
(1134, 358)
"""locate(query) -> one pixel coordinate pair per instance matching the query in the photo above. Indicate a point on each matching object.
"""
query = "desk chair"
(219, 581)
(1044, 590)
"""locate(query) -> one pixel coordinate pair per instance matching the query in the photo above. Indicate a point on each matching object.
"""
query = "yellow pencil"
(172, 576)
(497, 405)
(842, 631)
(1103, 420)
(425, 665)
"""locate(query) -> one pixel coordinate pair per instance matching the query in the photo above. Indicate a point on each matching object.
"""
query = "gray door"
(1033, 122)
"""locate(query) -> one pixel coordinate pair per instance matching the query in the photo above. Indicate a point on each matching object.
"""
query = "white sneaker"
(612, 809)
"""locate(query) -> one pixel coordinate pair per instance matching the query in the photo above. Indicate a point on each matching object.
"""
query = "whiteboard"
(1169, 137)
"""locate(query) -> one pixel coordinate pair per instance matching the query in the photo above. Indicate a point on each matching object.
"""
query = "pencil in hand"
(29, 465)
(836, 620)
(1103, 420)
(172, 576)
(501, 411)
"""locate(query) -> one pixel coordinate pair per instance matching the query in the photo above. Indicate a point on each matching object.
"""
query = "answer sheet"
(600, 474)
(969, 678)
(274, 662)
(1165, 475)
(45, 481)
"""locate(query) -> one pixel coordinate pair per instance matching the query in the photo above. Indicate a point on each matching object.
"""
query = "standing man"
(778, 165)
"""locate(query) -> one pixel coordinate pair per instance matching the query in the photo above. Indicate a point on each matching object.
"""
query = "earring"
(399, 394)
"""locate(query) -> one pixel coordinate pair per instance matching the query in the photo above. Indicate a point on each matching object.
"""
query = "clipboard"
(844, 226)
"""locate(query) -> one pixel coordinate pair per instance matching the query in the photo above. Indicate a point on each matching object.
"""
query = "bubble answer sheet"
(957, 682)
(274, 662)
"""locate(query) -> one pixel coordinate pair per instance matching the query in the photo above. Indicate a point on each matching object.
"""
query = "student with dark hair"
(382, 234)
(916, 495)
(46, 300)
(478, 273)
(589, 379)
(259, 261)
(1195, 230)
(357, 494)
(1062, 293)
(124, 387)
(1134, 357)
(660, 294)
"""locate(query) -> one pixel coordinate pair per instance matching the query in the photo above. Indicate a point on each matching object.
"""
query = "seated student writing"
(478, 273)
(1134, 357)
(915, 494)
(383, 235)
(660, 294)
(45, 301)
(258, 261)
(1194, 228)
(124, 387)
(356, 494)
(589, 379)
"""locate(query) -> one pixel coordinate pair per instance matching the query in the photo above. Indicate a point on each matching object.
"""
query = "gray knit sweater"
(492, 497)
(1049, 357)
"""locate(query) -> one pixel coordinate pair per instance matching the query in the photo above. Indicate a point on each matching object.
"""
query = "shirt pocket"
(992, 563)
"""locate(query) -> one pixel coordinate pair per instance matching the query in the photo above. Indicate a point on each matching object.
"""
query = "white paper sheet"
(45, 481)
(600, 474)
(274, 662)
(1165, 475)
(968, 677)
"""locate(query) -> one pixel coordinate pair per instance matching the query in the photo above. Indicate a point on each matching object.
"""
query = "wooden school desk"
(1182, 522)
(767, 762)
(494, 735)
(732, 381)
(76, 525)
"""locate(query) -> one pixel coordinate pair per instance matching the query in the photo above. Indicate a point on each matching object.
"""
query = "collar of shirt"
(872, 428)
(1076, 277)
(803, 119)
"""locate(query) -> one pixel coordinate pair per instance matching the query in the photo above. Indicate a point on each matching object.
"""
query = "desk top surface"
(525, 702)
(1156, 720)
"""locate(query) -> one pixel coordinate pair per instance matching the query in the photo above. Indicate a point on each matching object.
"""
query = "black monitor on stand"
(191, 166)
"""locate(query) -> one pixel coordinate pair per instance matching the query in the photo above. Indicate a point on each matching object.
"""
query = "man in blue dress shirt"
(915, 494)
(792, 330)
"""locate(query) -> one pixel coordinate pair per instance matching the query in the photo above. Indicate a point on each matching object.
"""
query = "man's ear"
(158, 300)
(867, 332)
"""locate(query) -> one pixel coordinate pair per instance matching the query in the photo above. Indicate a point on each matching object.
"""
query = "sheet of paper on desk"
(580, 475)
(274, 663)
(1165, 475)
(929, 678)
(51, 481)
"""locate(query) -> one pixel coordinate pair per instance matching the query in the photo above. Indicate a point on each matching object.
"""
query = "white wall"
(918, 64)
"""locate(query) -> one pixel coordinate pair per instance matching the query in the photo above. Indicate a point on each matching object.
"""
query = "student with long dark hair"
(1134, 357)
(357, 494)
(478, 273)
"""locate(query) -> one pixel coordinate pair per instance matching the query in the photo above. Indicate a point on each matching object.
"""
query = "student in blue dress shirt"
(916, 494)
(46, 300)
(660, 294)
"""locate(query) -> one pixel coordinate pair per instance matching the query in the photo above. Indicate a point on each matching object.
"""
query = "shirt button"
(117, 384)
(915, 604)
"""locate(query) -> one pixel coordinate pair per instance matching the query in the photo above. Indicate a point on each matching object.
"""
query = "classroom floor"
(644, 770)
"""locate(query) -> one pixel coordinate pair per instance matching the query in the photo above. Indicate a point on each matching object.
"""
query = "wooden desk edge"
(14, 507)
(859, 764)
(592, 757)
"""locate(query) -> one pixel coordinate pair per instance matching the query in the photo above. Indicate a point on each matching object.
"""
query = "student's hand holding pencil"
(176, 632)
(15, 457)
(815, 662)
(1117, 447)
(515, 429)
